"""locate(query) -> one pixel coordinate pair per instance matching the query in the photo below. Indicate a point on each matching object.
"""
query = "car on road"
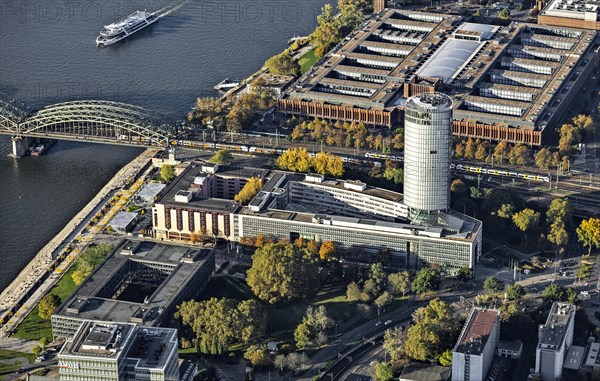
(388, 322)
(585, 293)
(378, 324)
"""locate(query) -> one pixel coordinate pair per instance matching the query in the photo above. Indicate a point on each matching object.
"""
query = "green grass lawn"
(10, 361)
(33, 327)
(308, 60)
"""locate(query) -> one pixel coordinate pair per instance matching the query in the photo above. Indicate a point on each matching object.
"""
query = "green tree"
(208, 110)
(383, 371)
(393, 343)
(426, 279)
(222, 156)
(354, 293)
(283, 64)
(399, 283)
(48, 305)
(44, 342)
(167, 172)
(501, 152)
(250, 189)
(327, 33)
(466, 274)
(589, 233)
(515, 291)
(302, 335)
(554, 293)
(560, 208)
(328, 164)
(506, 211)
(571, 295)
(219, 322)
(88, 261)
(434, 331)
(526, 219)
(257, 356)
(544, 158)
(519, 155)
(504, 14)
(378, 275)
(283, 272)
(445, 358)
(280, 362)
(37, 350)
(470, 149)
(314, 323)
(492, 284)
(383, 300)
(558, 234)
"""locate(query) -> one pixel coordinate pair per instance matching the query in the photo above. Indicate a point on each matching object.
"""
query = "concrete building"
(592, 360)
(427, 137)
(510, 349)
(476, 346)
(554, 339)
(425, 372)
(507, 83)
(123, 221)
(571, 13)
(275, 84)
(359, 219)
(148, 194)
(140, 282)
(119, 351)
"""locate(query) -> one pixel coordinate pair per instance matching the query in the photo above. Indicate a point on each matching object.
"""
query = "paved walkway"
(26, 281)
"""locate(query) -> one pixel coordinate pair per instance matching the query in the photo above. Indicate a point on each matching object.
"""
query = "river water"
(48, 55)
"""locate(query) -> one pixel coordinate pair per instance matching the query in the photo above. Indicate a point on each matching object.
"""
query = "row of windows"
(518, 81)
(494, 108)
(507, 94)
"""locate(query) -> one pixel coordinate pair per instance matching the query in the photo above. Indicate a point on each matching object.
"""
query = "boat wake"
(170, 8)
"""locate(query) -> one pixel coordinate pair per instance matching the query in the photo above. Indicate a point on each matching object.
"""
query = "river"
(49, 55)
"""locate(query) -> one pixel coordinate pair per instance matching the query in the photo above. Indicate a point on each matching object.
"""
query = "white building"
(427, 137)
(120, 351)
(555, 338)
(474, 351)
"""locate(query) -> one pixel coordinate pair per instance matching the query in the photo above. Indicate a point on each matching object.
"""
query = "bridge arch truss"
(96, 121)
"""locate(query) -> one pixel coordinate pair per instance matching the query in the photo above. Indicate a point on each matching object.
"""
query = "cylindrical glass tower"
(427, 145)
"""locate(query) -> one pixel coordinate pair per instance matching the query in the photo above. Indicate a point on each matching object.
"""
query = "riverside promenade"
(28, 280)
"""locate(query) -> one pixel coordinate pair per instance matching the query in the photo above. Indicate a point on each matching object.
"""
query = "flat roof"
(592, 359)
(150, 190)
(425, 372)
(554, 331)
(574, 357)
(101, 340)
(92, 299)
(476, 332)
(447, 60)
(123, 219)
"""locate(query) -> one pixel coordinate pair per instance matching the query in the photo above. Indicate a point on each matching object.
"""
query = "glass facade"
(427, 137)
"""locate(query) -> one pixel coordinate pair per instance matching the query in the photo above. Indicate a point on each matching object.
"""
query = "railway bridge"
(91, 121)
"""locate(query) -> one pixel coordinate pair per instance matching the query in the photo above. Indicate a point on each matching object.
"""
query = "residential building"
(476, 346)
(510, 349)
(119, 351)
(554, 340)
(140, 282)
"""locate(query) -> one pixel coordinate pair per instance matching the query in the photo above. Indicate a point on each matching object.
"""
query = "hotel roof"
(477, 331)
(553, 333)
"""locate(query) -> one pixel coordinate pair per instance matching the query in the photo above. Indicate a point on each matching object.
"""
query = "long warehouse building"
(508, 83)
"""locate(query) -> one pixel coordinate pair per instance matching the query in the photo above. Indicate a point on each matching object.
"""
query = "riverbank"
(39, 276)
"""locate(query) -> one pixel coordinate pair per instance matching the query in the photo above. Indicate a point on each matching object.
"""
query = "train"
(375, 155)
(500, 172)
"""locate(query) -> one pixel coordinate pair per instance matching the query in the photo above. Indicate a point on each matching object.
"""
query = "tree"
(222, 156)
(297, 361)
(355, 294)
(303, 335)
(43, 342)
(207, 111)
(295, 159)
(458, 186)
(327, 32)
(378, 275)
(560, 208)
(445, 358)
(526, 219)
(399, 282)
(558, 234)
(327, 250)
(501, 152)
(470, 149)
(583, 123)
(492, 284)
(544, 158)
(283, 272)
(514, 291)
(482, 151)
(37, 350)
(167, 172)
(427, 279)
(325, 163)
(519, 155)
(554, 293)
(250, 189)
(393, 342)
(280, 362)
(571, 295)
(434, 330)
(219, 322)
(504, 14)
(466, 274)
(589, 233)
(88, 261)
(506, 211)
(257, 356)
(383, 371)
(383, 300)
(283, 64)
(48, 305)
